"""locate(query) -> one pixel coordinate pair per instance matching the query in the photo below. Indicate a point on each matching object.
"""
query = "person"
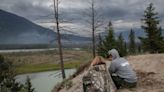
(121, 72)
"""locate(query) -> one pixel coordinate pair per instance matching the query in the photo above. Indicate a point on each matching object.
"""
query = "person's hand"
(97, 61)
(94, 63)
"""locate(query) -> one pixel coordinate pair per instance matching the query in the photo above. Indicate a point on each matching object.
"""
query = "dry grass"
(46, 60)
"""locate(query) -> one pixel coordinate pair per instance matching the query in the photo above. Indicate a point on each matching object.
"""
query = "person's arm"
(112, 68)
(97, 60)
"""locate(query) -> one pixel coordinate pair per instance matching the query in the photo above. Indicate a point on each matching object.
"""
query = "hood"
(114, 53)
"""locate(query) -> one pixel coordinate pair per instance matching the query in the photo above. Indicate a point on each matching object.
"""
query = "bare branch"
(94, 21)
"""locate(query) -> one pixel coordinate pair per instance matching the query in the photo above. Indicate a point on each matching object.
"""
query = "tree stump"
(98, 79)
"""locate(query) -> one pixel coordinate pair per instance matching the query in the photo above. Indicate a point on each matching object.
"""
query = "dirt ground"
(150, 72)
(149, 69)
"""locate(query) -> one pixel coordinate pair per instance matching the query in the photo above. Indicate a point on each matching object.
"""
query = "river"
(26, 50)
(44, 81)
(32, 50)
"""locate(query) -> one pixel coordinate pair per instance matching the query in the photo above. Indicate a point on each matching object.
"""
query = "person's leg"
(121, 83)
(129, 85)
(117, 81)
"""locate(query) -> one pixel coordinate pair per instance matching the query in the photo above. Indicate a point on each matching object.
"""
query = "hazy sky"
(125, 14)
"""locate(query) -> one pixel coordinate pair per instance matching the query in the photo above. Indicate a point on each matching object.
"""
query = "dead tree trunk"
(94, 20)
(93, 29)
(56, 6)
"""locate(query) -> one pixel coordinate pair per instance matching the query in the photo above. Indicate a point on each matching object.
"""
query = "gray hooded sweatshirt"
(121, 67)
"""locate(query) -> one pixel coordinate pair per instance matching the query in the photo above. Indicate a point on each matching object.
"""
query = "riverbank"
(38, 61)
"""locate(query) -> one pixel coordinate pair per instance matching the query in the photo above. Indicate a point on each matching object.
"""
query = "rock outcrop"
(98, 79)
(149, 69)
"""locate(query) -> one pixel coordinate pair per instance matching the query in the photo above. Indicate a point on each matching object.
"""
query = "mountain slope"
(18, 30)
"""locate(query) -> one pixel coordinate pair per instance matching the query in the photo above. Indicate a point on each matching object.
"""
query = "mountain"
(16, 30)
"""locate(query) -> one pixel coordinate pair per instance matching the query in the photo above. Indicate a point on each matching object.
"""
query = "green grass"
(44, 67)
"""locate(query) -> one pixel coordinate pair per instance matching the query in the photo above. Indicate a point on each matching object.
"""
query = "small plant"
(68, 84)
(1, 58)
(10, 84)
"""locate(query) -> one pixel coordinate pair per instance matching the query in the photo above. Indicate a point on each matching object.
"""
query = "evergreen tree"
(121, 47)
(108, 43)
(100, 46)
(132, 45)
(7, 81)
(139, 48)
(125, 48)
(29, 85)
(153, 42)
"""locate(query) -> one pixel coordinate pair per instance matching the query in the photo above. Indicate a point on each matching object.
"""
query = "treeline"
(110, 41)
(152, 43)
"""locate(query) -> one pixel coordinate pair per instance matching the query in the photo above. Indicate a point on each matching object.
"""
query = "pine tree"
(100, 48)
(108, 43)
(29, 85)
(132, 45)
(139, 48)
(7, 80)
(125, 49)
(121, 47)
(153, 42)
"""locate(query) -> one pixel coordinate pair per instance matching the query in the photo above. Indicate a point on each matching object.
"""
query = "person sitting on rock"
(121, 72)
